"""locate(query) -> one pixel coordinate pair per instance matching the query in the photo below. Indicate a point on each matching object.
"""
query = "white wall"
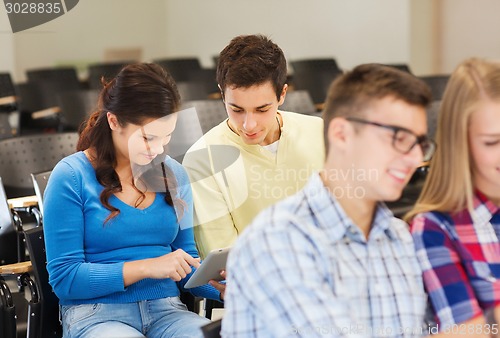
(469, 28)
(431, 35)
(424, 18)
(353, 32)
(6, 43)
(81, 35)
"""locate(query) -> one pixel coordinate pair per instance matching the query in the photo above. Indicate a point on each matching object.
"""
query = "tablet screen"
(209, 269)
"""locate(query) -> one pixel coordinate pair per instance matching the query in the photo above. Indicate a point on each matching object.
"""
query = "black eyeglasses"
(404, 140)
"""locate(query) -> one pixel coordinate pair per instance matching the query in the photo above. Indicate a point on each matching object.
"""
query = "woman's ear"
(112, 121)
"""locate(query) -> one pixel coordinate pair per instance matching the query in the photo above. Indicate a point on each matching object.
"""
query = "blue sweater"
(85, 256)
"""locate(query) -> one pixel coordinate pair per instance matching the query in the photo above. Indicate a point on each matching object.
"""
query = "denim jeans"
(159, 318)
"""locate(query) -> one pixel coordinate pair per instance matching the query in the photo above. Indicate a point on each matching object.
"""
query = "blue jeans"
(159, 318)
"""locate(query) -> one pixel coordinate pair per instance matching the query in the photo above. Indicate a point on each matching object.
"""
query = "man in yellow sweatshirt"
(257, 156)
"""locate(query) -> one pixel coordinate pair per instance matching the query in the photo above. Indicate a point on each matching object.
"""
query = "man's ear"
(283, 94)
(339, 130)
(221, 92)
(112, 121)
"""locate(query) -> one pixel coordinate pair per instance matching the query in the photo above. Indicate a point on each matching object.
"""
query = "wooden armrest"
(214, 96)
(319, 106)
(23, 202)
(8, 100)
(45, 112)
(16, 268)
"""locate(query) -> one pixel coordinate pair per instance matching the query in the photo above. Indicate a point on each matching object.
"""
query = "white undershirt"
(273, 147)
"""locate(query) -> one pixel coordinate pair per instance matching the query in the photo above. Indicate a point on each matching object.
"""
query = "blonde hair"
(449, 186)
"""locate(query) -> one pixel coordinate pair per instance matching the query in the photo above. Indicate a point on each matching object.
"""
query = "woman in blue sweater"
(118, 218)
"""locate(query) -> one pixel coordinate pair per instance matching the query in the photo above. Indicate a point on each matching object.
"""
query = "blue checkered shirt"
(304, 269)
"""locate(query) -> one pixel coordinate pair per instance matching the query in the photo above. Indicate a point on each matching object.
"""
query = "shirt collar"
(330, 215)
(484, 208)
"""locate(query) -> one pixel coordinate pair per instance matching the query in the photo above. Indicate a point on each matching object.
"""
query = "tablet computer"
(210, 268)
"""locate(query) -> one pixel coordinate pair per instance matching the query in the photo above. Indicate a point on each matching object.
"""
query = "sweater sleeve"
(185, 236)
(71, 276)
(213, 200)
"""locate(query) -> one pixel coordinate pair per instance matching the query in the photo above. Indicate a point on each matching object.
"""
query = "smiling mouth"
(251, 135)
(400, 175)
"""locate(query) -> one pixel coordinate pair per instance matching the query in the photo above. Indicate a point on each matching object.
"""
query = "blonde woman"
(456, 221)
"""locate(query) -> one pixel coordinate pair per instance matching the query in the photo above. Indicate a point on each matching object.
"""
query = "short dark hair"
(352, 92)
(251, 60)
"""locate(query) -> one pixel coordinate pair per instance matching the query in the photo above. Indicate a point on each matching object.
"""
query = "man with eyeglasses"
(332, 260)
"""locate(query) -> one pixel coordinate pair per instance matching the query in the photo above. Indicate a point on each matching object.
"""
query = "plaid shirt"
(304, 269)
(460, 257)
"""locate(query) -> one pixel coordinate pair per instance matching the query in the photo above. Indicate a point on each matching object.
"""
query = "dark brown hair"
(138, 93)
(251, 60)
(351, 93)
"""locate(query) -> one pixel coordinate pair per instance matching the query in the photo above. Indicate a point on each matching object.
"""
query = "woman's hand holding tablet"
(210, 268)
